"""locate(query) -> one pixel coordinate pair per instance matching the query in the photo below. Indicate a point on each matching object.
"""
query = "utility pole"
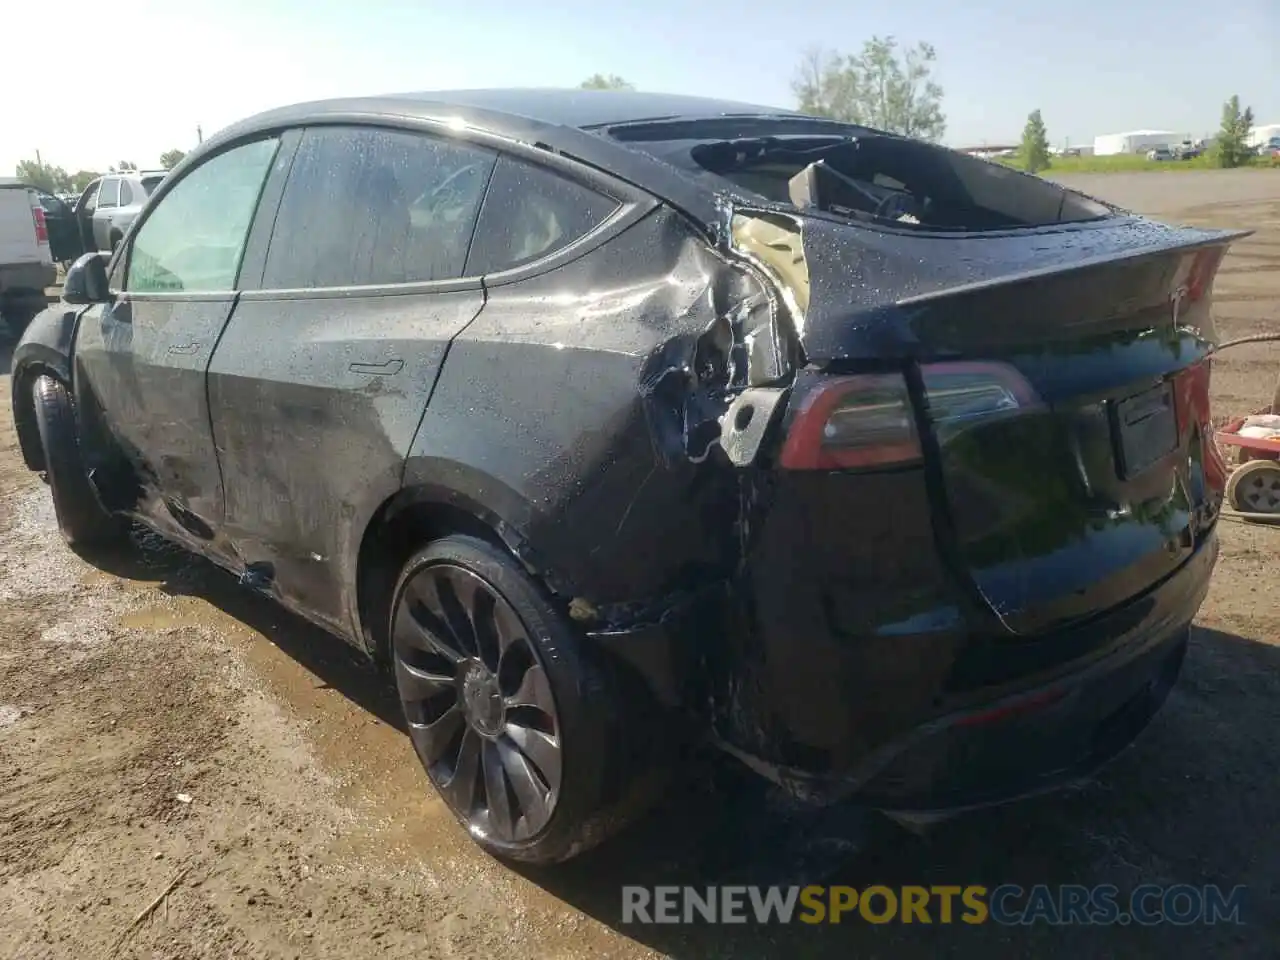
(199, 134)
(39, 162)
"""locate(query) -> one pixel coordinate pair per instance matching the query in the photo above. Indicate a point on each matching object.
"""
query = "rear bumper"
(31, 278)
(1053, 736)
(981, 745)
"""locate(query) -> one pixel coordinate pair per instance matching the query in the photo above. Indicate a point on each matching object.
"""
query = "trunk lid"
(1104, 478)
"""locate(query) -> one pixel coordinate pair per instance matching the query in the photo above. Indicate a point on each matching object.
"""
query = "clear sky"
(137, 77)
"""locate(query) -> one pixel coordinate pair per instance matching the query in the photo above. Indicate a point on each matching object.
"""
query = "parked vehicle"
(605, 419)
(108, 205)
(26, 265)
(1160, 153)
(1186, 150)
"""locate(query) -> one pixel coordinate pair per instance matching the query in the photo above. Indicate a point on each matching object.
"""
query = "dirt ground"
(159, 723)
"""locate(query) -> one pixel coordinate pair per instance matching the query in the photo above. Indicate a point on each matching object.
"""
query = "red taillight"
(42, 229)
(852, 422)
(867, 420)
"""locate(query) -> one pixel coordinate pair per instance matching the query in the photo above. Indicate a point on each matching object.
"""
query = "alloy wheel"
(478, 702)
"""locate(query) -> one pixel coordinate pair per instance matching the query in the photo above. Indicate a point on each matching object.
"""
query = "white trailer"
(1135, 141)
(1263, 133)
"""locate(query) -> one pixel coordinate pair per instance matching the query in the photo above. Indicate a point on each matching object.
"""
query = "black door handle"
(388, 369)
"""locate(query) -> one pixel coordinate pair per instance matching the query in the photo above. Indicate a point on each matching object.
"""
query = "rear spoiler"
(1214, 239)
(869, 292)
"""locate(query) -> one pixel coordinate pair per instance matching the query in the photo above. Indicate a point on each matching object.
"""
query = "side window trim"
(253, 264)
(163, 189)
(507, 171)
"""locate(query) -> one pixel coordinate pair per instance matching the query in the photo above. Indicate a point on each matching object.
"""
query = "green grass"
(1126, 162)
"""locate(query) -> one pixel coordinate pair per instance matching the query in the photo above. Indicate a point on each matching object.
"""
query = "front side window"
(366, 206)
(529, 213)
(89, 201)
(109, 196)
(194, 238)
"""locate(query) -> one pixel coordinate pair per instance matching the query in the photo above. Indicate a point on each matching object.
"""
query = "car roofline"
(531, 136)
(587, 144)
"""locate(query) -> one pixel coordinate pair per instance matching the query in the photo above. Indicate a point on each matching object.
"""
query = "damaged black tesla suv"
(607, 421)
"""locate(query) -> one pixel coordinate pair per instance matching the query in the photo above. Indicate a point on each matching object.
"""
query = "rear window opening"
(864, 175)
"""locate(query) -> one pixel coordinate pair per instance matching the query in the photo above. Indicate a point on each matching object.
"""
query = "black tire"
(82, 519)
(605, 775)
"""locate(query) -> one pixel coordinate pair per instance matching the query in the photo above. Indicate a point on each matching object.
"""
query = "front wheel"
(515, 720)
(82, 519)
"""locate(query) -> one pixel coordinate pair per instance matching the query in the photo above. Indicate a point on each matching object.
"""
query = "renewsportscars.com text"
(1007, 904)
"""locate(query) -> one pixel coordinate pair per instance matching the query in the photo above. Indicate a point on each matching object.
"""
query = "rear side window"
(109, 195)
(367, 206)
(126, 193)
(194, 237)
(529, 213)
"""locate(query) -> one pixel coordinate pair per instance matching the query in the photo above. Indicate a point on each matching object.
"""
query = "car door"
(108, 200)
(84, 210)
(59, 218)
(125, 211)
(141, 360)
(320, 380)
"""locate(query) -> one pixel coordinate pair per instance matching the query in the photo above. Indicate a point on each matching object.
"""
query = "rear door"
(321, 379)
(143, 358)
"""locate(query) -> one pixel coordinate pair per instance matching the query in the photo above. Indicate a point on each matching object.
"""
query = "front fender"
(45, 347)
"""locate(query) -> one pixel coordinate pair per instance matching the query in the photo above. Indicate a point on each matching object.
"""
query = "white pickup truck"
(26, 265)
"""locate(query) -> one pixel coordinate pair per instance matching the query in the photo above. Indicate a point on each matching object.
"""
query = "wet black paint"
(820, 626)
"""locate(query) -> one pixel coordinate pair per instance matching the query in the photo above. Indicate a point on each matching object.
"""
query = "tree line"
(54, 179)
(885, 86)
(892, 88)
(1230, 147)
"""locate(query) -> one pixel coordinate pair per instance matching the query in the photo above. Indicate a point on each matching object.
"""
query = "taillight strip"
(42, 228)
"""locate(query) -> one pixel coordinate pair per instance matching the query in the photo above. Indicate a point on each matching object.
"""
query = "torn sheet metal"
(746, 423)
